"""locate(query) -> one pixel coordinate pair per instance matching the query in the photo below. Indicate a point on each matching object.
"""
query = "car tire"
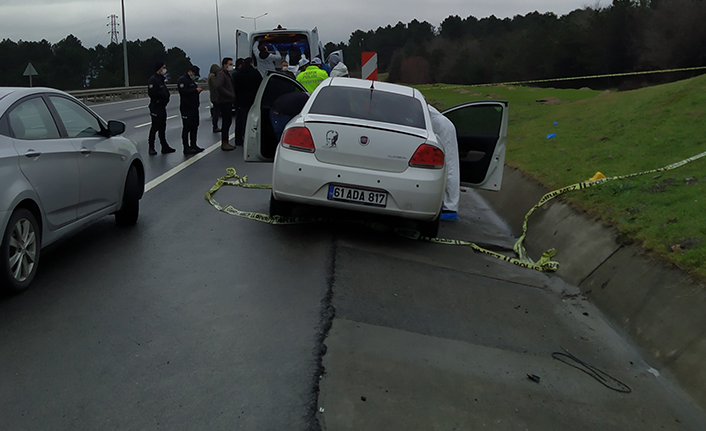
(429, 228)
(280, 208)
(19, 251)
(130, 210)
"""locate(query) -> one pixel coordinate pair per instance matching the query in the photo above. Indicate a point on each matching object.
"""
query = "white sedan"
(369, 146)
(61, 167)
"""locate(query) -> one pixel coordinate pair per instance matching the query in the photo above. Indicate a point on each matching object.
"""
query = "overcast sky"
(191, 24)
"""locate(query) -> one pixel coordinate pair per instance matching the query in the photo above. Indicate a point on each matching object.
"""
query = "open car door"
(339, 53)
(481, 130)
(242, 45)
(260, 142)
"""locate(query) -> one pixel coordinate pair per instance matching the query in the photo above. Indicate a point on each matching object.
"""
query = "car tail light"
(298, 138)
(427, 156)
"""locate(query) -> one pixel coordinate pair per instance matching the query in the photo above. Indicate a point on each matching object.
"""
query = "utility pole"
(113, 28)
(127, 77)
(218, 29)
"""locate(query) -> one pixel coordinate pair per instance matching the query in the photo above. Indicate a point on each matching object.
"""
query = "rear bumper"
(414, 194)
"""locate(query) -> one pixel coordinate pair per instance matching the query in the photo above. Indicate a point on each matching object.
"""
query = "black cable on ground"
(602, 377)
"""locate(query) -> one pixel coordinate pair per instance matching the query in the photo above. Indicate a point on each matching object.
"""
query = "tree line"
(68, 65)
(626, 36)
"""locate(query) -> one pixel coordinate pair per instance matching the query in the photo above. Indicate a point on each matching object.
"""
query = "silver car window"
(367, 104)
(77, 120)
(32, 120)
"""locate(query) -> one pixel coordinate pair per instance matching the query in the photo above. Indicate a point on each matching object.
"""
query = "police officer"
(189, 108)
(312, 76)
(159, 98)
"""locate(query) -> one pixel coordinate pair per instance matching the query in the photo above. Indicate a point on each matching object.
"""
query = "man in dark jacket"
(246, 81)
(189, 107)
(159, 98)
(225, 96)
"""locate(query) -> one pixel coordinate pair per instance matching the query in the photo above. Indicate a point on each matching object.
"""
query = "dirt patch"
(604, 93)
(550, 101)
(661, 186)
(584, 89)
(493, 96)
(687, 244)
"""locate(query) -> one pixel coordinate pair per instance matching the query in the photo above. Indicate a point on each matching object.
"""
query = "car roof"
(19, 92)
(377, 85)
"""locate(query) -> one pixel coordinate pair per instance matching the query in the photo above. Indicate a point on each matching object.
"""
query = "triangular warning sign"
(30, 71)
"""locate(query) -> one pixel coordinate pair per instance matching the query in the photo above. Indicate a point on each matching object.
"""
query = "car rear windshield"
(367, 104)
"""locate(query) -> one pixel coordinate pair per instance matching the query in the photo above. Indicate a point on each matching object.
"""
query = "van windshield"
(366, 104)
(293, 44)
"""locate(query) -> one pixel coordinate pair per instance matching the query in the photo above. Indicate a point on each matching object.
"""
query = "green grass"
(616, 134)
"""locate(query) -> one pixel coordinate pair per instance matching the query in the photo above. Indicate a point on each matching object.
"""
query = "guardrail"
(117, 93)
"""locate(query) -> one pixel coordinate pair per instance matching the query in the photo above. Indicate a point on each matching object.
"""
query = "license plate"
(357, 196)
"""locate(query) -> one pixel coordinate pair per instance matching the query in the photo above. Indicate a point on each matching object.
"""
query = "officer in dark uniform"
(189, 108)
(159, 98)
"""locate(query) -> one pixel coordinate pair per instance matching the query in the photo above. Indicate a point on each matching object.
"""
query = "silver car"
(369, 147)
(61, 167)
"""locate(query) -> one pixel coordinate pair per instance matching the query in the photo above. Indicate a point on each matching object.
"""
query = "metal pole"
(254, 19)
(127, 77)
(218, 29)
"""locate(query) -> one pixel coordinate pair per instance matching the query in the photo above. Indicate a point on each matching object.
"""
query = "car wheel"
(280, 208)
(429, 228)
(130, 210)
(19, 251)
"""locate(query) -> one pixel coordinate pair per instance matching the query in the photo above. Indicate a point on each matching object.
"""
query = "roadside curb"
(661, 307)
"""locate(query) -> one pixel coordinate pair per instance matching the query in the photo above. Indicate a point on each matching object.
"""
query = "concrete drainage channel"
(425, 336)
(660, 307)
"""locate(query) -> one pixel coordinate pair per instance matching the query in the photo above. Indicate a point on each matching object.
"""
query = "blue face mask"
(194, 77)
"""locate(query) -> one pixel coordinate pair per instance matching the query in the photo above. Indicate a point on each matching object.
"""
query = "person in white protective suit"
(446, 135)
(266, 60)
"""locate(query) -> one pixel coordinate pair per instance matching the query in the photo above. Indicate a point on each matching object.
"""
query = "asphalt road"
(194, 319)
(190, 320)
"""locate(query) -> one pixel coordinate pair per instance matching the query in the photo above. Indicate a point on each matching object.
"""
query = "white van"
(295, 42)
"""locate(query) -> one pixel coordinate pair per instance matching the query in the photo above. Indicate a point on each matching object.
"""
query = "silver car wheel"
(23, 250)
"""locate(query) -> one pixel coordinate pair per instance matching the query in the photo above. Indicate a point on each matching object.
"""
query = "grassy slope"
(616, 134)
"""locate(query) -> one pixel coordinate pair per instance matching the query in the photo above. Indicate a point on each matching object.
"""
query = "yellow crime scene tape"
(543, 264)
(572, 78)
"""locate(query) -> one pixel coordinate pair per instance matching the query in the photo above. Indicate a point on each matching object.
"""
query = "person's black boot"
(196, 148)
(166, 149)
(190, 150)
(152, 151)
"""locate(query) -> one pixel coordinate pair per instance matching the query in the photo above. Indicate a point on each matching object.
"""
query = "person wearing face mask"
(225, 96)
(159, 98)
(189, 103)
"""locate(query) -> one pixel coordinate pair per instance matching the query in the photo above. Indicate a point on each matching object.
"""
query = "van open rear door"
(242, 45)
(314, 47)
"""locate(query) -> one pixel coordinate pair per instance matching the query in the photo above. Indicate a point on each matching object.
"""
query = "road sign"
(30, 71)
(370, 65)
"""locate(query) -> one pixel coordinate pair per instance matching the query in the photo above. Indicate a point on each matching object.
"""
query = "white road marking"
(180, 167)
(136, 108)
(150, 123)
